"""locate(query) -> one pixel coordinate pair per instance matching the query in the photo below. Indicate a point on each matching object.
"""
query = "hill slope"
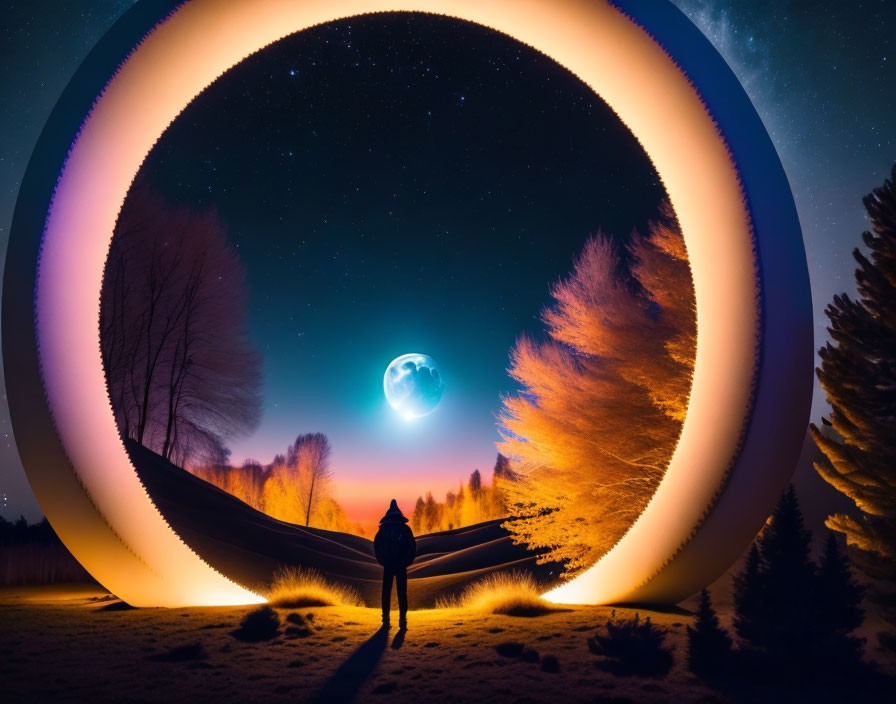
(248, 545)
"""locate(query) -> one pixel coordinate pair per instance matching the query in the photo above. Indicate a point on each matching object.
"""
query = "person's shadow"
(344, 684)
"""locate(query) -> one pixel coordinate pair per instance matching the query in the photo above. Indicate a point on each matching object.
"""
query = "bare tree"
(298, 485)
(311, 453)
(182, 375)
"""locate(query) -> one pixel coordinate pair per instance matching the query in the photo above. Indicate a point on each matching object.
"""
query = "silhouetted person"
(395, 550)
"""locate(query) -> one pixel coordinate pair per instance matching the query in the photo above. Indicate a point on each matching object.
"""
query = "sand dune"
(248, 546)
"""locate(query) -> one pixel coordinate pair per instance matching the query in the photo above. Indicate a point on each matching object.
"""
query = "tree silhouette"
(417, 516)
(475, 483)
(430, 513)
(788, 576)
(797, 614)
(748, 599)
(181, 374)
(603, 399)
(503, 470)
(709, 645)
(839, 606)
(858, 374)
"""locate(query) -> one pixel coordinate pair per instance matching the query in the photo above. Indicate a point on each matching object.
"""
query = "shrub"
(632, 647)
(510, 649)
(182, 653)
(261, 624)
(508, 593)
(549, 663)
(295, 588)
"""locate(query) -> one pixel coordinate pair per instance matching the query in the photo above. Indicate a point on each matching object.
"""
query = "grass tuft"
(507, 593)
(296, 588)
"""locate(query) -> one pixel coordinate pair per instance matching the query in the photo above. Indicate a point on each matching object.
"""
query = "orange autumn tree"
(602, 399)
(472, 503)
(295, 487)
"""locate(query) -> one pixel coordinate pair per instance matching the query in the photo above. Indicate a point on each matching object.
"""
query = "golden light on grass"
(745, 421)
(298, 587)
(509, 593)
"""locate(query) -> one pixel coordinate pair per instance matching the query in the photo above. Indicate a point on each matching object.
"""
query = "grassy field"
(73, 643)
(78, 643)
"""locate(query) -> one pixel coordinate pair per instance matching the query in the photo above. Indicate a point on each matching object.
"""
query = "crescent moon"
(752, 383)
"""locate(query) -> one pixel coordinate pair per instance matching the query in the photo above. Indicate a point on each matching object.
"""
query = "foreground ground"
(77, 643)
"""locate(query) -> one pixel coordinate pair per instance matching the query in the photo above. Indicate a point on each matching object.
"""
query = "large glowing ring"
(752, 382)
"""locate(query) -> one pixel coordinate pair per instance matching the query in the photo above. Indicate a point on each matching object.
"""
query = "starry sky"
(820, 73)
(395, 185)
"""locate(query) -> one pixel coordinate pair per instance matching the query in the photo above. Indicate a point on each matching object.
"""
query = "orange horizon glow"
(365, 501)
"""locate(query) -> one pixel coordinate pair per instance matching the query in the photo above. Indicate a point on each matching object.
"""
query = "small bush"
(549, 663)
(301, 629)
(632, 647)
(511, 594)
(295, 588)
(182, 653)
(530, 655)
(297, 632)
(261, 624)
(510, 649)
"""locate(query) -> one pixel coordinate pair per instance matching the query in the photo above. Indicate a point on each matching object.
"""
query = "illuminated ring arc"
(753, 375)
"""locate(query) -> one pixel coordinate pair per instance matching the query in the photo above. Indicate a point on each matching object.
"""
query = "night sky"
(488, 181)
(400, 184)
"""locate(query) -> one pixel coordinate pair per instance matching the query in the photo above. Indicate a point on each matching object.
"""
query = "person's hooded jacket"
(394, 544)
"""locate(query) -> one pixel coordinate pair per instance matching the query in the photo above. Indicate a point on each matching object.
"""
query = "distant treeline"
(33, 554)
(472, 503)
(295, 487)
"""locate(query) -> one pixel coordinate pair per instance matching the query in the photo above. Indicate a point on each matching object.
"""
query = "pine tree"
(748, 599)
(475, 484)
(791, 611)
(430, 514)
(503, 469)
(709, 645)
(775, 609)
(839, 600)
(858, 374)
(788, 581)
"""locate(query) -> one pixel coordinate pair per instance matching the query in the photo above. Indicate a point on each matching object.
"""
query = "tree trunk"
(310, 498)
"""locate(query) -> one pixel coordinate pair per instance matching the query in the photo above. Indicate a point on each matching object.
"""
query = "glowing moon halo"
(413, 385)
(752, 381)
